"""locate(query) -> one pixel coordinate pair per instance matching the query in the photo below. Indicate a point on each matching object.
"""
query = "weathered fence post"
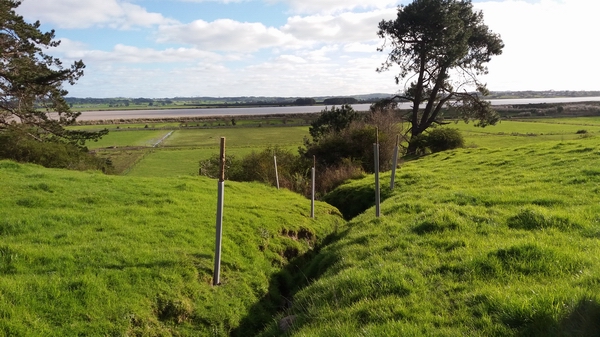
(276, 173)
(220, 200)
(312, 197)
(377, 194)
(395, 162)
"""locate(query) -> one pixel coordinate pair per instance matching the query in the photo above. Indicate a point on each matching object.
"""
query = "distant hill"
(204, 100)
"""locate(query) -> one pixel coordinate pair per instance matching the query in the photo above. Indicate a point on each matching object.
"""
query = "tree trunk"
(412, 145)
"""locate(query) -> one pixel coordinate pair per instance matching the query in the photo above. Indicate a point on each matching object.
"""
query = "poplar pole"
(220, 200)
(377, 188)
(395, 162)
(312, 197)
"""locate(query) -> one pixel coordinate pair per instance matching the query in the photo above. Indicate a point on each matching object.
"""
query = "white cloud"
(221, 1)
(284, 75)
(549, 44)
(291, 59)
(358, 47)
(345, 27)
(335, 6)
(73, 50)
(226, 35)
(84, 14)
(298, 32)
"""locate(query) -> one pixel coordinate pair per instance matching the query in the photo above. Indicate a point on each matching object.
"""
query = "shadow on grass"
(297, 274)
(354, 200)
(582, 321)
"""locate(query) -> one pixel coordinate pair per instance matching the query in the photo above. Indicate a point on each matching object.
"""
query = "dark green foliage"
(430, 40)
(260, 166)
(294, 170)
(334, 120)
(305, 101)
(31, 91)
(18, 145)
(340, 101)
(210, 167)
(439, 139)
(354, 142)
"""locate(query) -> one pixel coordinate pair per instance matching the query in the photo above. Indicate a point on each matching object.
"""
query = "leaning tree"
(31, 93)
(441, 47)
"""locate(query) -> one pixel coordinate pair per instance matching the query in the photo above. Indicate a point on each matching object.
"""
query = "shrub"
(333, 176)
(21, 146)
(355, 142)
(294, 170)
(259, 166)
(210, 167)
(332, 121)
(440, 139)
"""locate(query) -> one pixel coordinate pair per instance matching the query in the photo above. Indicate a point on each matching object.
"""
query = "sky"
(296, 48)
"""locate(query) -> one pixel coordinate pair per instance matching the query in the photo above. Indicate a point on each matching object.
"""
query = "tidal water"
(171, 113)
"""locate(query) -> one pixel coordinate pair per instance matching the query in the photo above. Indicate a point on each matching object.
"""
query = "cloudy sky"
(168, 48)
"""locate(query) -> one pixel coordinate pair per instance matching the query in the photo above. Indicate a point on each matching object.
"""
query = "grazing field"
(90, 254)
(188, 145)
(181, 153)
(472, 242)
(583, 121)
(238, 137)
(509, 133)
(497, 239)
(526, 127)
(129, 139)
(127, 126)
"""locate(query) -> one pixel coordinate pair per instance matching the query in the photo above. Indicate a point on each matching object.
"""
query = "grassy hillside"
(89, 254)
(473, 242)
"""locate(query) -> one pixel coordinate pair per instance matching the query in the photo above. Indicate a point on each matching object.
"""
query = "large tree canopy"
(441, 47)
(31, 92)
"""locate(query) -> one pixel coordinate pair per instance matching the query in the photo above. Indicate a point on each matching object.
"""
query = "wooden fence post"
(220, 201)
(276, 173)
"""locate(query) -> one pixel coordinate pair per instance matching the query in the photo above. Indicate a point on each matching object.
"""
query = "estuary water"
(200, 112)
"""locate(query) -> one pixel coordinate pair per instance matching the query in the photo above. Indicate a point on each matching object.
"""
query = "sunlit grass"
(181, 153)
(524, 127)
(237, 137)
(472, 242)
(89, 254)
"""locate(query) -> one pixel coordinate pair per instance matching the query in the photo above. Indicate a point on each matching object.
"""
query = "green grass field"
(181, 153)
(473, 242)
(237, 137)
(198, 144)
(129, 139)
(497, 239)
(90, 254)
(509, 133)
